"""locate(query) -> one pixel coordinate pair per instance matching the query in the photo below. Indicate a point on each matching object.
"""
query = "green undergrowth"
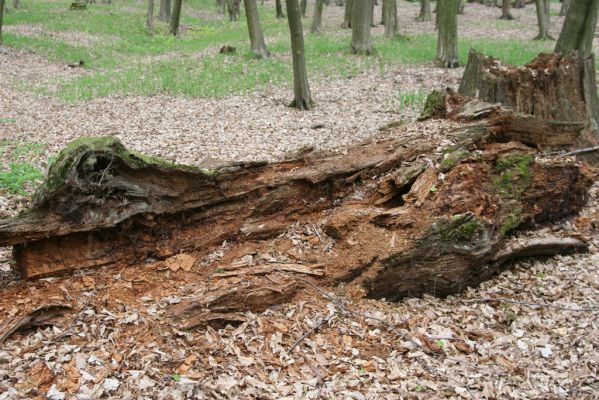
(17, 173)
(122, 59)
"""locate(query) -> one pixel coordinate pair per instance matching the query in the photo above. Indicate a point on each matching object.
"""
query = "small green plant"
(176, 377)
(419, 388)
(219, 270)
(18, 175)
(440, 343)
(362, 372)
(411, 99)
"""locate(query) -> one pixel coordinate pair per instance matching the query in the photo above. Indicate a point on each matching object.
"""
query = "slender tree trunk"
(165, 10)
(361, 42)
(233, 7)
(543, 19)
(221, 4)
(519, 4)
(175, 18)
(425, 11)
(2, 5)
(505, 10)
(255, 29)
(279, 8)
(150, 18)
(461, 7)
(317, 21)
(347, 14)
(579, 28)
(301, 89)
(303, 7)
(16, 4)
(390, 16)
(447, 43)
(565, 6)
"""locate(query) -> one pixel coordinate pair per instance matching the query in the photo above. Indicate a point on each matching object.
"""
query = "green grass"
(16, 173)
(121, 57)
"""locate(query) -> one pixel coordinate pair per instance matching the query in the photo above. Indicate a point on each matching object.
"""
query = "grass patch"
(121, 58)
(17, 174)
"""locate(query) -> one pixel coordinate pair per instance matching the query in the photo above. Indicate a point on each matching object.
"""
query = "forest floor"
(543, 345)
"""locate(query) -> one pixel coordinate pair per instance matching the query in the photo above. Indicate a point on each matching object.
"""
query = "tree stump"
(555, 89)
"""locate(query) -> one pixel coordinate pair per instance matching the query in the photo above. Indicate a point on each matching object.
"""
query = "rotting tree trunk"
(150, 17)
(564, 93)
(391, 227)
(164, 14)
(505, 10)
(579, 28)
(543, 19)
(347, 14)
(302, 97)
(176, 17)
(255, 29)
(317, 20)
(390, 18)
(279, 8)
(447, 42)
(425, 11)
(361, 21)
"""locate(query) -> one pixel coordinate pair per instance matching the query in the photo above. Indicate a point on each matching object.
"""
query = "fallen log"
(387, 219)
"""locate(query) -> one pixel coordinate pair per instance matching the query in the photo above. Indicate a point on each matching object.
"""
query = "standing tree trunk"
(150, 18)
(317, 21)
(565, 7)
(176, 17)
(221, 4)
(255, 29)
(425, 11)
(579, 28)
(301, 89)
(520, 4)
(390, 15)
(543, 19)
(15, 4)
(233, 7)
(165, 10)
(447, 42)
(461, 7)
(361, 23)
(1, 18)
(279, 8)
(505, 10)
(304, 7)
(349, 4)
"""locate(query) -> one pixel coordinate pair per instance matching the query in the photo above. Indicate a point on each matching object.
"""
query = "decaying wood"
(387, 219)
(45, 315)
(552, 90)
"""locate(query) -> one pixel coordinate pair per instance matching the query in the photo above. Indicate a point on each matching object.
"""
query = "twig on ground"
(309, 332)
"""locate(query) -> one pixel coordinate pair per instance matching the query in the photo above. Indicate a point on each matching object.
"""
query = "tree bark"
(548, 96)
(543, 19)
(255, 29)
(2, 6)
(347, 15)
(279, 8)
(233, 7)
(361, 21)
(579, 28)
(505, 10)
(408, 234)
(150, 17)
(165, 10)
(390, 18)
(425, 11)
(447, 43)
(16, 4)
(303, 7)
(563, 11)
(301, 89)
(176, 17)
(317, 20)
